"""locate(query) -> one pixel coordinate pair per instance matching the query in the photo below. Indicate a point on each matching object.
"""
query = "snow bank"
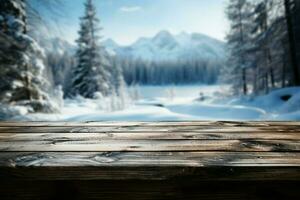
(281, 104)
(218, 112)
(135, 113)
(8, 112)
(178, 103)
(271, 102)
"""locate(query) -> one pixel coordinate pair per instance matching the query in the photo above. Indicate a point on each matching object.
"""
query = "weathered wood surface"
(38, 144)
(164, 128)
(146, 144)
(205, 166)
(177, 157)
(150, 137)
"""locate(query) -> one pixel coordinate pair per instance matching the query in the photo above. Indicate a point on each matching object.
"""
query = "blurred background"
(149, 60)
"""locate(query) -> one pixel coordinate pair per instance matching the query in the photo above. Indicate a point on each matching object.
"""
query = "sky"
(127, 20)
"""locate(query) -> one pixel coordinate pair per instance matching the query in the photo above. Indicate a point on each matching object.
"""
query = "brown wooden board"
(150, 165)
(149, 160)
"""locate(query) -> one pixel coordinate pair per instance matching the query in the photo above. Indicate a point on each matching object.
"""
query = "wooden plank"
(147, 159)
(61, 145)
(151, 124)
(28, 137)
(204, 166)
(149, 129)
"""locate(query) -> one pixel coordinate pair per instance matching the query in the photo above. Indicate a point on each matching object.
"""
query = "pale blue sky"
(127, 20)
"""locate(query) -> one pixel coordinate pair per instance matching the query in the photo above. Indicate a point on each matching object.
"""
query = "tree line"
(263, 45)
(138, 71)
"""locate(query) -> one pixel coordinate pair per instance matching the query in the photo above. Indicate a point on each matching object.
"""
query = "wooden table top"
(157, 150)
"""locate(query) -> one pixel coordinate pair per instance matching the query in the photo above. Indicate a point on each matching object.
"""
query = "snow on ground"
(181, 103)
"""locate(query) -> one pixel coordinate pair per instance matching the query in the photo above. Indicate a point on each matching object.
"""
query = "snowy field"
(180, 103)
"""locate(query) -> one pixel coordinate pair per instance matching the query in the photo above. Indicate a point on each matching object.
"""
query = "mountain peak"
(110, 42)
(183, 34)
(164, 39)
(163, 34)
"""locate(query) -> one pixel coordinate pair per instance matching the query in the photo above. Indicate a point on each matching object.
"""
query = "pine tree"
(269, 36)
(21, 65)
(91, 75)
(239, 14)
(261, 40)
(119, 95)
(290, 6)
(273, 51)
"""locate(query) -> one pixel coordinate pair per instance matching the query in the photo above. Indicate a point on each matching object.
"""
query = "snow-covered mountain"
(162, 47)
(165, 46)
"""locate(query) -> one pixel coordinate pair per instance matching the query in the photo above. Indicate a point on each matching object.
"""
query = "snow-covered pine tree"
(21, 64)
(292, 9)
(91, 74)
(118, 81)
(261, 40)
(270, 39)
(239, 42)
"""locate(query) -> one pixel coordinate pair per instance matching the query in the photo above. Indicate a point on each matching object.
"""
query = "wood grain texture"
(208, 166)
(62, 145)
(151, 129)
(150, 137)
(27, 137)
(149, 160)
